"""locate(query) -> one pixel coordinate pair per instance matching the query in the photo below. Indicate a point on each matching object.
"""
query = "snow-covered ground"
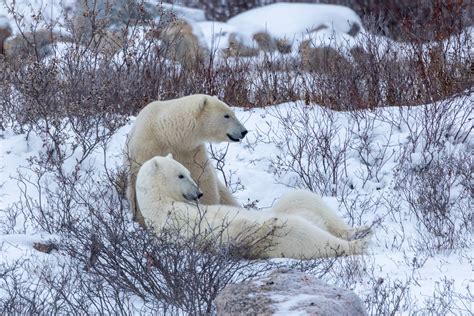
(323, 25)
(394, 256)
(372, 144)
(293, 20)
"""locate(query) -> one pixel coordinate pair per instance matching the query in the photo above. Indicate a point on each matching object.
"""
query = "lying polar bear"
(301, 225)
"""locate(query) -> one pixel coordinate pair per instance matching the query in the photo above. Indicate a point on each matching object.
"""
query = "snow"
(287, 305)
(189, 14)
(391, 255)
(51, 11)
(4, 22)
(293, 20)
(216, 34)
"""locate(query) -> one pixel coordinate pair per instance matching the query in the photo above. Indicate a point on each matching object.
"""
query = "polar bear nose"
(244, 133)
(200, 194)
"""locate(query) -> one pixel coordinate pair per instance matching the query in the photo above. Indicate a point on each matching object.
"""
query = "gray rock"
(322, 59)
(238, 48)
(93, 15)
(30, 44)
(191, 14)
(288, 292)
(265, 41)
(5, 31)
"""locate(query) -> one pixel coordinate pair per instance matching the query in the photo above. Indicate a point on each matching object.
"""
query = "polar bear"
(182, 127)
(299, 226)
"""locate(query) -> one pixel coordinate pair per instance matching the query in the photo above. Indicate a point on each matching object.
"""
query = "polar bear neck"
(153, 204)
(149, 193)
(183, 131)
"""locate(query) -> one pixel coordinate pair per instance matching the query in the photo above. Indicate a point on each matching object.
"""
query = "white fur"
(182, 127)
(304, 227)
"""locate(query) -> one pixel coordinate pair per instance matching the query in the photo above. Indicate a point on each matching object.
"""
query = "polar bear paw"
(359, 246)
(358, 233)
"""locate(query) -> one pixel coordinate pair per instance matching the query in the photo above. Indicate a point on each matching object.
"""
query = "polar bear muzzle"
(193, 196)
(236, 137)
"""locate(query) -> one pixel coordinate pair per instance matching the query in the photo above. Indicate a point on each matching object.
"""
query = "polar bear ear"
(203, 104)
(169, 156)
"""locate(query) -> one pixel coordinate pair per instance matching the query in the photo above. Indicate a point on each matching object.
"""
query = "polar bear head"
(218, 121)
(166, 179)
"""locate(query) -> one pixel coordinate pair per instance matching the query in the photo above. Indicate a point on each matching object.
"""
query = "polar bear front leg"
(203, 173)
(225, 197)
(206, 181)
(131, 194)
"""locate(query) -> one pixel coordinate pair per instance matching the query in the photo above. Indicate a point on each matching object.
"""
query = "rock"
(181, 12)
(359, 55)
(285, 293)
(322, 59)
(45, 247)
(109, 43)
(284, 46)
(265, 41)
(34, 45)
(31, 46)
(238, 47)
(5, 32)
(98, 15)
(292, 20)
(318, 28)
(354, 30)
(180, 43)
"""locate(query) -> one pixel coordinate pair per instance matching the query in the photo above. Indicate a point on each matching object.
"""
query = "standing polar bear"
(299, 226)
(182, 127)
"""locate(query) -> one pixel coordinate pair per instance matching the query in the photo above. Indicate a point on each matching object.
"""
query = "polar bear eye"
(227, 116)
(181, 176)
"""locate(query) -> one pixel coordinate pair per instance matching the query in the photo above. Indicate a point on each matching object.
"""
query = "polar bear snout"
(238, 136)
(193, 196)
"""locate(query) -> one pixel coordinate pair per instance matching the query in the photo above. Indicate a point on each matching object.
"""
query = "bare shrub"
(402, 19)
(434, 169)
(231, 180)
(317, 146)
(388, 297)
(121, 71)
(105, 251)
(223, 10)
(314, 146)
(383, 72)
(358, 205)
(433, 197)
(76, 98)
(366, 72)
(61, 288)
(373, 154)
(445, 300)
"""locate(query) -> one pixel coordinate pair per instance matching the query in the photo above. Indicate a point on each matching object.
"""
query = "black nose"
(200, 195)
(244, 133)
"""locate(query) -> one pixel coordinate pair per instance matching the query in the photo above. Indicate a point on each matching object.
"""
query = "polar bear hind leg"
(299, 238)
(311, 207)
